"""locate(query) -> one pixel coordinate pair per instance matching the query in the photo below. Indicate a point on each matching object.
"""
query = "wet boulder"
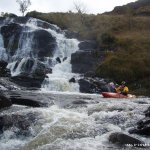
(4, 72)
(25, 80)
(85, 61)
(87, 45)
(93, 85)
(44, 45)
(32, 73)
(58, 60)
(47, 25)
(147, 112)
(6, 84)
(20, 122)
(4, 101)
(3, 64)
(21, 20)
(10, 15)
(11, 34)
(145, 130)
(90, 74)
(31, 99)
(123, 139)
(39, 70)
(85, 86)
(142, 126)
(65, 58)
(72, 80)
(71, 34)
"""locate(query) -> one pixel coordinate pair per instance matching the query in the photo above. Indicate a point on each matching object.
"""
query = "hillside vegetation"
(125, 39)
(140, 8)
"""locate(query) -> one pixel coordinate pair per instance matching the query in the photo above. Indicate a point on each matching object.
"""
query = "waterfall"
(58, 80)
(3, 54)
(62, 72)
(24, 45)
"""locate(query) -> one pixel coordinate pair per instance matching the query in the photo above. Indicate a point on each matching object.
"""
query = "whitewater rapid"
(68, 125)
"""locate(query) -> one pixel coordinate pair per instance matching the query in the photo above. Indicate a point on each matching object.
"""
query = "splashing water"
(61, 72)
(78, 127)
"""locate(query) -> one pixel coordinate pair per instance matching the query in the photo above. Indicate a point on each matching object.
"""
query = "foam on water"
(82, 127)
(61, 72)
(3, 54)
(85, 128)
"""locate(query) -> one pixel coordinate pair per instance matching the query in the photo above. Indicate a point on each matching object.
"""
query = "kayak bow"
(115, 95)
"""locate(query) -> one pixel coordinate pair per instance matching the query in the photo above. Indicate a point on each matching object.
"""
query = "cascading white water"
(3, 54)
(25, 45)
(68, 126)
(61, 72)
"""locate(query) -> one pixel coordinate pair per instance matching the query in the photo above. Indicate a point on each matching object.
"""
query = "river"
(75, 122)
(71, 120)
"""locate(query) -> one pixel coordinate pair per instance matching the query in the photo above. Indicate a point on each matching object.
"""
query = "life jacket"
(122, 89)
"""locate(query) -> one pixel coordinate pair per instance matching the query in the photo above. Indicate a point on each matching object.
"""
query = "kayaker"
(123, 89)
(111, 87)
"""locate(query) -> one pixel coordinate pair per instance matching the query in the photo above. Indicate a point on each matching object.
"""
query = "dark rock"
(93, 85)
(10, 15)
(47, 25)
(144, 122)
(85, 61)
(48, 70)
(45, 43)
(21, 122)
(11, 34)
(39, 70)
(121, 138)
(30, 98)
(143, 126)
(85, 86)
(4, 72)
(143, 131)
(58, 60)
(27, 65)
(46, 76)
(32, 73)
(25, 80)
(33, 67)
(3, 64)
(13, 15)
(79, 102)
(90, 74)
(73, 80)
(87, 45)
(4, 101)
(64, 58)
(147, 112)
(24, 102)
(6, 84)
(71, 34)
(21, 20)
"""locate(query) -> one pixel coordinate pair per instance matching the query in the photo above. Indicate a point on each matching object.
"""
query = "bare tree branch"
(24, 4)
(80, 7)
